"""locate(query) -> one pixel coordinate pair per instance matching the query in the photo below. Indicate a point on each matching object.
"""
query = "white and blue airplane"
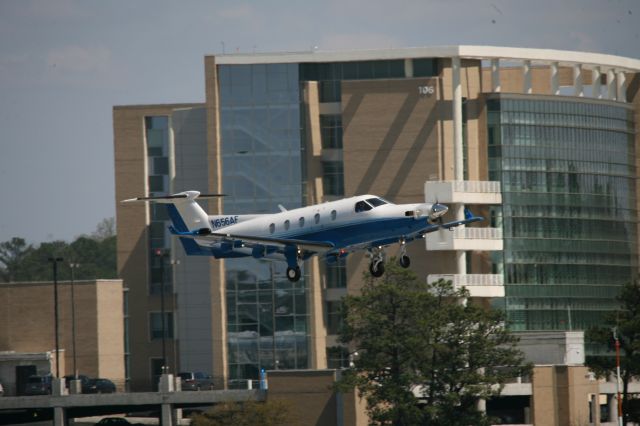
(332, 229)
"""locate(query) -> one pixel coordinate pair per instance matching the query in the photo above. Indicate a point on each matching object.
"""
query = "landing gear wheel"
(293, 274)
(405, 261)
(376, 268)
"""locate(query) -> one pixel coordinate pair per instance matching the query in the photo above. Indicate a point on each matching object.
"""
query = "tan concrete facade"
(561, 395)
(133, 252)
(27, 325)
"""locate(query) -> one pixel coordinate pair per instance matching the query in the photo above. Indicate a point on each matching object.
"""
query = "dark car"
(38, 385)
(99, 385)
(195, 381)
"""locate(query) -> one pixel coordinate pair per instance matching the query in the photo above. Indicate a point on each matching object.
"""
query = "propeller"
(433, 211)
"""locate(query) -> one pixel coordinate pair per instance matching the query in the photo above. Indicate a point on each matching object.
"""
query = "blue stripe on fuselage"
(362, 232)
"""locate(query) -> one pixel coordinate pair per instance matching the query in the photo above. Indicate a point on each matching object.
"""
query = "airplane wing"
(205, 234)
(468, 218)
(303, 244)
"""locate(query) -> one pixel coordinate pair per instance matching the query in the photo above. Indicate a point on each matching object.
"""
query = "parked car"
(38, 385)
(195, 381)
(99, 385)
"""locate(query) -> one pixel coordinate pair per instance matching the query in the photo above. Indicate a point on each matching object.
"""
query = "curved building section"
(568, 170)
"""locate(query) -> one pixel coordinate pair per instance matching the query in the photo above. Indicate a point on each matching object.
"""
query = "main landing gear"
(376, 267)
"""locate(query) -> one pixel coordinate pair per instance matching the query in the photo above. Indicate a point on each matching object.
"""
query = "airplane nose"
(438, 210)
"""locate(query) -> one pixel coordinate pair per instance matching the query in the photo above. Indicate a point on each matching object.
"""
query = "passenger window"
(334, 214)
(301, 222)
(272, 228)
(361, 206)
(286, 225)
(316, 218)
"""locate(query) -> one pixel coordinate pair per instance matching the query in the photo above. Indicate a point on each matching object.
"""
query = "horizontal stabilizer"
(169, 198)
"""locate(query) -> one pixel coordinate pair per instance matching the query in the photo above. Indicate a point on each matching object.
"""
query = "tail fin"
(186, 215)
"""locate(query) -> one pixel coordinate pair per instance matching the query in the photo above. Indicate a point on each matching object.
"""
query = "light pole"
(55, 261)
(73, 266)
(161, 255)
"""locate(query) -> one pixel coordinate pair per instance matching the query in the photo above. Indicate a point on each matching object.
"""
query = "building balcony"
(463, 192)
(467, 239)
(479, 285)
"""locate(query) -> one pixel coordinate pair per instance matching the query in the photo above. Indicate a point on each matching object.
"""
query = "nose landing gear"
(403, 259)
(293, 274)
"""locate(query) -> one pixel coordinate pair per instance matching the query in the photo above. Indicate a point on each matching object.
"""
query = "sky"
(64, 64)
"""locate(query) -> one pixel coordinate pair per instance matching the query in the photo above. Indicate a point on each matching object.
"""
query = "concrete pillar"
(59, 415)
(555, 78)
(595, 409)
(408, 68)
(526, 74)
(577, 80)
(495, 75)
(166, 415)
(461, 258)
(611, 85)
(457, 119)
(622, 86)
(167, 383)
(595, 83)
(75, 387)
(613, 408)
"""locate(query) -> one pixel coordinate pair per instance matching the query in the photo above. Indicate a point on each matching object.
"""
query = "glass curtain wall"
(267, 315)
(567, 170)
(157, 138)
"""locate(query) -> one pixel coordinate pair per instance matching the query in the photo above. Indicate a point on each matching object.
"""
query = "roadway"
(17, 409)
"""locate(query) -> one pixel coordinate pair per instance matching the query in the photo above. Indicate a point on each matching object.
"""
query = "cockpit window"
(375, 202)
(362, 206)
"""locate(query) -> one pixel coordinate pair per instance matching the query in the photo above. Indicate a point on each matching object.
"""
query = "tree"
(105, 229)
(12, 254)
(95, 254)
(626, 321)
(269, 413)
(423, 356)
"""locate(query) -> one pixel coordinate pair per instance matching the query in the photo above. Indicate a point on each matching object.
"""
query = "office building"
(540, 142)
(27, 331)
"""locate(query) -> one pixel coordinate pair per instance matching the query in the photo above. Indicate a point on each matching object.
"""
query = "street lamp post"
(73, 266)
(161, 255)
(55, 261)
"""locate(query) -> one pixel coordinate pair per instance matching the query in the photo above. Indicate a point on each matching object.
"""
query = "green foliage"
(269, 413)
(626, 320)
(423, 356)
(95, 254)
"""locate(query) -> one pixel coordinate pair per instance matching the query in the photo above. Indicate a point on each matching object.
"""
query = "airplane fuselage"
(335, 222)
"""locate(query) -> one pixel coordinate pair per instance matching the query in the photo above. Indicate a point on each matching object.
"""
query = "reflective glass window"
(569, 208)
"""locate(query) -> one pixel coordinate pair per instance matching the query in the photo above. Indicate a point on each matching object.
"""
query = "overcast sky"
(65, 63)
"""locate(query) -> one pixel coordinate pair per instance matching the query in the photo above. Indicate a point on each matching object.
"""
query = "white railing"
(467, 280)
(479, 186)
(478, 233)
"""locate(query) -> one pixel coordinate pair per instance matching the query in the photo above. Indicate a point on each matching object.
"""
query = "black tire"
(376, 268)
(294, 274)
(404, 261)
